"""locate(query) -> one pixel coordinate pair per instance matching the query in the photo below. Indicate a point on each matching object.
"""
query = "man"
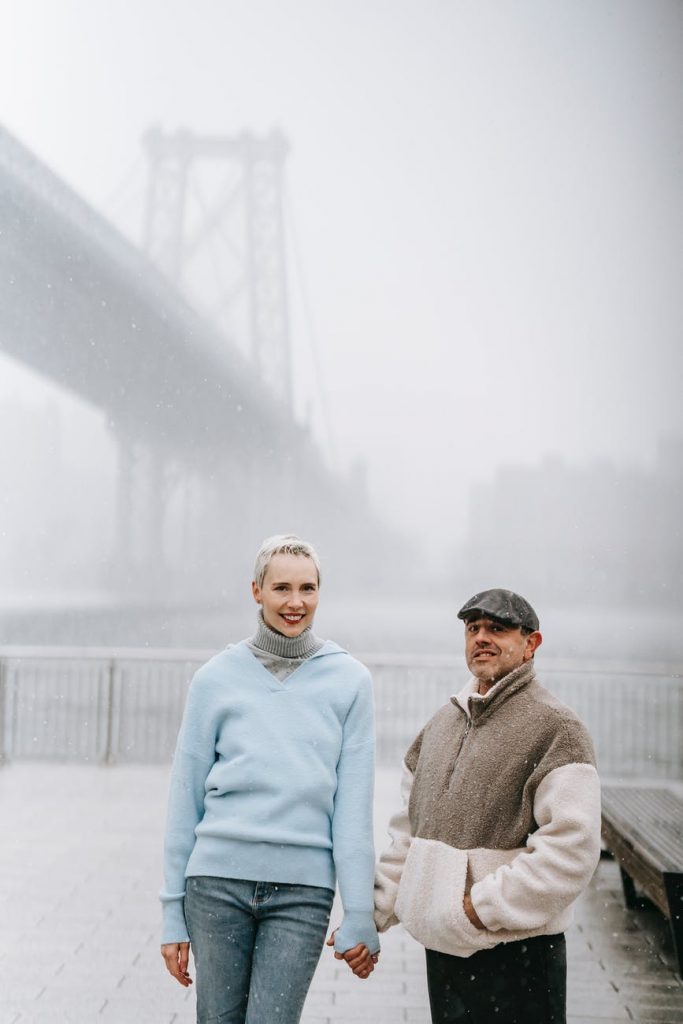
(499, 832)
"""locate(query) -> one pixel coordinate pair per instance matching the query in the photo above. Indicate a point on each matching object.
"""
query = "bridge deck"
(79, 870)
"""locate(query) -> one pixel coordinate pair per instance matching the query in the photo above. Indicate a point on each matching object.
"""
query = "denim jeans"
(514, 983)
(256, 946)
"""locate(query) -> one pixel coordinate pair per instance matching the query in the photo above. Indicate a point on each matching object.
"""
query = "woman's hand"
(359, 958)
(176, 957)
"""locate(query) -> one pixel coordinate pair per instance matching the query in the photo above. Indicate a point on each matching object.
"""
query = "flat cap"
(503, 605)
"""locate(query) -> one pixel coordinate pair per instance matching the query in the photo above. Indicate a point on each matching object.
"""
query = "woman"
(271, 797)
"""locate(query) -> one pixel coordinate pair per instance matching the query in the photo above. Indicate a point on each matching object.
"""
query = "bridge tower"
(214, 224)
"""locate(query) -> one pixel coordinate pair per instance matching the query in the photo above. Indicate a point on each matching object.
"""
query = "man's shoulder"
(444, 716)
(550, 705)
(441, 722)
(558, 723)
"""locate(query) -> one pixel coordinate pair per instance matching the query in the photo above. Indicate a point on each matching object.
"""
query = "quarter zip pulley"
(468, 726)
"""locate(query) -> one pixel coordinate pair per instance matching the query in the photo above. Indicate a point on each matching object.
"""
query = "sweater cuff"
(173, 928)
(358, 926)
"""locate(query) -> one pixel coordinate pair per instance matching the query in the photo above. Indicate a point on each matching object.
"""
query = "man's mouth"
(485, 654)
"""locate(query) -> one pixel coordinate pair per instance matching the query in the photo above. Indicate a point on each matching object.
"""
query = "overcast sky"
(487, 197)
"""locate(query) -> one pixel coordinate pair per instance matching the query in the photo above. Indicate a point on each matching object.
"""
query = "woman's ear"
(256, 591)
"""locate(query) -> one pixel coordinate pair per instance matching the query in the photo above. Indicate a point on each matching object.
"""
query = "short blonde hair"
(282, 544)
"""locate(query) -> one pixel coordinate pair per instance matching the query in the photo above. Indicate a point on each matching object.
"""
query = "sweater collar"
(478, 707)
(301, 646)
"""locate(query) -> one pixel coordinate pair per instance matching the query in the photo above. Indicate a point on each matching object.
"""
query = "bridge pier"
(138, 558)
(122, 553)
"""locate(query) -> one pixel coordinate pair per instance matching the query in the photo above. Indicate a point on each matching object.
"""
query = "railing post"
(4, 752)
(109, 753)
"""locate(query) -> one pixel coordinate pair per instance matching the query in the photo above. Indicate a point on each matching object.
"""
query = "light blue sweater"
(272, 781)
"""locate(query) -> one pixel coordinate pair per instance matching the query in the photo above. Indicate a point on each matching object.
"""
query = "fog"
(483, 213)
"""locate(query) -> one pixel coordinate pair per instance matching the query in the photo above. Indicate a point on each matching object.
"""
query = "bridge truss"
(214, 225)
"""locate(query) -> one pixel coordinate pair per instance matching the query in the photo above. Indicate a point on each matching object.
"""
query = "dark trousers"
(513, 983)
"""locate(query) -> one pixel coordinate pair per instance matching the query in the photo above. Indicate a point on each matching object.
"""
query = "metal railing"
(124, 705)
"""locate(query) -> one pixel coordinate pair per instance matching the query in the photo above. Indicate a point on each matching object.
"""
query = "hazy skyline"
(487, 200)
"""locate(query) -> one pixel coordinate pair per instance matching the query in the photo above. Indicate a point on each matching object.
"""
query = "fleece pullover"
(272, 781)
(501, 801)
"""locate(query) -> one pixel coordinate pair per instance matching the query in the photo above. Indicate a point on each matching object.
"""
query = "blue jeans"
(256, 946)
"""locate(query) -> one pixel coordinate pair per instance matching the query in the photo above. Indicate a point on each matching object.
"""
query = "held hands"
(359, 958)
(176, 957)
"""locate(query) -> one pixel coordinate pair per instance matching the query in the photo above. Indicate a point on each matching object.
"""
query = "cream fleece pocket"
(430, 900)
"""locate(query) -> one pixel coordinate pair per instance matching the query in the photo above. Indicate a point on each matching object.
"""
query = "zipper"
(462, 742)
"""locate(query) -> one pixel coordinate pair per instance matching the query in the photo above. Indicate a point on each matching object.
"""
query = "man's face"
(493, 649)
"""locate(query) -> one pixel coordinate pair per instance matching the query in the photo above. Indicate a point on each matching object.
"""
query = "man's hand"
(176, 957)
(472, 915)
(359, 958)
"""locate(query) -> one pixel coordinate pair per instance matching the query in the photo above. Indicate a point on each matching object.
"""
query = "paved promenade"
(79, 872)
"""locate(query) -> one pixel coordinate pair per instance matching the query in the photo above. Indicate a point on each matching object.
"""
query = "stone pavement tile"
(46, 1016)
(10, 1011)
(598, 1009)
(657, 1017)
(48, 959)
(365, 996)
(656, 988)
(417, 1015)
(186, 1016)
(654, 1010)
(581, 1018)
(123, 1009)
(78, 1006)
(345, 1014)
(28, 980)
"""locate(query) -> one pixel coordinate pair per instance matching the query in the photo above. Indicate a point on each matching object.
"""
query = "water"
(374, 625)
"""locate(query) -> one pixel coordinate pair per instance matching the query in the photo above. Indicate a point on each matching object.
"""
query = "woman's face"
(289, 594)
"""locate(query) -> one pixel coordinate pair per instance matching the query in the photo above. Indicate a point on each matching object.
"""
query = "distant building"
(571, 533)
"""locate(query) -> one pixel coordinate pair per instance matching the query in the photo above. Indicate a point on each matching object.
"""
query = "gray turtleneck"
(282, 655)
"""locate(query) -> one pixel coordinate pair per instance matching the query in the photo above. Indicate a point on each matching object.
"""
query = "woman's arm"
(194, 757)
(352, 824)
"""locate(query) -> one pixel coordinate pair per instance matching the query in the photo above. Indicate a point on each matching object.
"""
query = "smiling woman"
(270, 804)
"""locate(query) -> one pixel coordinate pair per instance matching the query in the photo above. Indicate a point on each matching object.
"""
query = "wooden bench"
(643, 827)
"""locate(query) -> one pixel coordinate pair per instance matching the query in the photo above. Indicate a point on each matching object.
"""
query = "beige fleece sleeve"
(559, 858)
(390, 867)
